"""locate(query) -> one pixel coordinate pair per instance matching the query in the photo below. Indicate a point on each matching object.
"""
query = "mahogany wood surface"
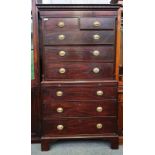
(35, 83)
(79, 54)
(74, 23)
(70, 24)
(106, 23)
(79, 126)
(79, 108)
(45, 141)
(80, 13)
(36, 80)
(35, 114)
(79, 7)
(79, 84)
(80, 38)
(79, 92)
(106, 70)
(120, 108)
(118, 43)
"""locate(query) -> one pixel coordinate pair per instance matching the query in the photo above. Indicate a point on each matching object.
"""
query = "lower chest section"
(84, 108)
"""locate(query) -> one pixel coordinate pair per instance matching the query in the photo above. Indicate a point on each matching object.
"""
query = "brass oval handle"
(99, 126)
(96, 53)
(97, 24)
(62, 53)
(96, 70)
(60, 110)
(99, 109)
(61, 24)
(99, 92)
(96, 37)
(61, 37)
(60, 127)
(59, 93)
(62, 70)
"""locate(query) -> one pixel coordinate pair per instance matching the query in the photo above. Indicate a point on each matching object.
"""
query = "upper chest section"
(63, 25)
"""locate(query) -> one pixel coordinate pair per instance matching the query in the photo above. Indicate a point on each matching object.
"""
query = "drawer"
(76, 70)
(97, 23)
(60, 24)
(62, 91)
(79, 53)
(79, 37)
(79, 108)
(79, 126)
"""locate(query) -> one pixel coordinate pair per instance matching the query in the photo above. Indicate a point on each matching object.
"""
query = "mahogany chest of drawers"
(78, 85)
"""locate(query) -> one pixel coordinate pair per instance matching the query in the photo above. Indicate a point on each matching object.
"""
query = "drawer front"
(76, 70)
(79, 37)
(78, 92)
(79, 53)
(84, 126)
(79, 108)
(60, 24)
(97, 23)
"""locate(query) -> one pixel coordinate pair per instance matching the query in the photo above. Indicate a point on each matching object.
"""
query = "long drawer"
(79, 37)
(71, 91)
(79, 53)
(79, 108)
(79, 126)
(76, 70)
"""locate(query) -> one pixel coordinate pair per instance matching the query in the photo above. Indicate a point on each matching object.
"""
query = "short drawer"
(79, 126)
(79, 108)
(79, 37)
(76, 70)
(60, 24)
(79, 53)
(62, 91)
(97, 23)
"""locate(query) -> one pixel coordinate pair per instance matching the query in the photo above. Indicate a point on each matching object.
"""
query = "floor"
(79, 147)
